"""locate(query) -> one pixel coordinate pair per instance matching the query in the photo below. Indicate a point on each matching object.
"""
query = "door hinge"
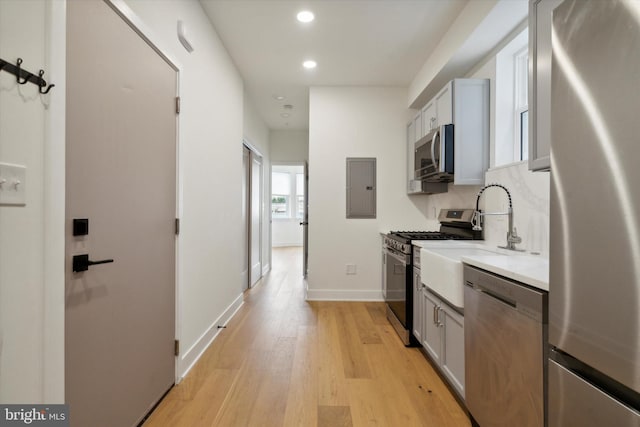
(177, 105)
(177, 226)
(176, 347)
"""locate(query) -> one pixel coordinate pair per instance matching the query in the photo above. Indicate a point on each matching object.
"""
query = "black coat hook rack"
(23, 76)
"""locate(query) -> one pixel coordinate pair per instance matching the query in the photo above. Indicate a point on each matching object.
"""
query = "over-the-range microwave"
(434, 155)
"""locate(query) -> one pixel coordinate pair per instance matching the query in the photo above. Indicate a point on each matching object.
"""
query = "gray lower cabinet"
(443, 338)
(418, 305)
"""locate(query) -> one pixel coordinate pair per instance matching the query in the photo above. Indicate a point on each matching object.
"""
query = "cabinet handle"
(435, 315)
(441, 324)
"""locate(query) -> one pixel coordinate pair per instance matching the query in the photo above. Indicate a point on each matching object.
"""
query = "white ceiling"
(355, 42)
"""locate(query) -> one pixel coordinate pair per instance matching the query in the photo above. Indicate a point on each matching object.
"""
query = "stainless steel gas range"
(398, 267)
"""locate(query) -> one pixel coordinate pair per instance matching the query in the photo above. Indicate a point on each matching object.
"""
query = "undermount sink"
(441, 271)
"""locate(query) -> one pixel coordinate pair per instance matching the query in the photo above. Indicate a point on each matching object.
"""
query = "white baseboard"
(266, 268)
(342, 295)
(191, 356)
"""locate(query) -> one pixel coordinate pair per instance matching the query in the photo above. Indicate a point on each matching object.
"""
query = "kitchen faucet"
(512, 234)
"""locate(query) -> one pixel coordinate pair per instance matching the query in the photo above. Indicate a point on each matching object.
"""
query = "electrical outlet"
(351, 269)
(13, 185)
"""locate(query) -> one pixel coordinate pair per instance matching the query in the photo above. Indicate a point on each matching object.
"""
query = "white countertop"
(532, 270)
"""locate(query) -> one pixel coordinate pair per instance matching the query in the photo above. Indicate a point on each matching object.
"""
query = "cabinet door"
(417, 127)
(453, 347)
(444, 105)
(411, 133)
(432, 340)
(540, 17)
(384, 274)
(418, 306)
(412, 184)
(429, 119)
(471, 130)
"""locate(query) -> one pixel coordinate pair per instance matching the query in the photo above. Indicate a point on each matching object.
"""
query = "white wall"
(355, 122)
(286, 232)
(32, 237)
(22, 136)
(289, 145)
(211, 132)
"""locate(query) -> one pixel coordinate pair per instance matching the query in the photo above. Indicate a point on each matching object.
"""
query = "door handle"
(82, 262)
(304, 223)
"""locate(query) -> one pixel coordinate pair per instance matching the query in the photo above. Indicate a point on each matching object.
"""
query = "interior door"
(305, 222)
(246, 176)
(256, 218)
(121, 176)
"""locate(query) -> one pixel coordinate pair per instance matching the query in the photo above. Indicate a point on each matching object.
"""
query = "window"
(511, 102)
(287, 192)
(299, 195)
(521, 101)
(281, 189)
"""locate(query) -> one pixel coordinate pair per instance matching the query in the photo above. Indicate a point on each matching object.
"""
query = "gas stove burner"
(422, 235)
(455, 224)
(425, 235)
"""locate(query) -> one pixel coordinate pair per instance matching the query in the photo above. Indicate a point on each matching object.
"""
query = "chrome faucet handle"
(476, 221)
(513, 236)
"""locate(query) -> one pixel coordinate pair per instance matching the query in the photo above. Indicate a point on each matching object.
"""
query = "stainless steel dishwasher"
(505, 333)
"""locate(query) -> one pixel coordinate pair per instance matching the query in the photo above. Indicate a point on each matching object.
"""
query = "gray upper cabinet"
(540, 18)
(361, 187)
(465, 104)
(417, 127)
(429, 117)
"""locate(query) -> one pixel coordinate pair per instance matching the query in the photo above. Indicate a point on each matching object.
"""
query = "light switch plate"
(13, 185)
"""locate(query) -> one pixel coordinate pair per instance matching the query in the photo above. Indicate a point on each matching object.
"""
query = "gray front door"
(121, 176)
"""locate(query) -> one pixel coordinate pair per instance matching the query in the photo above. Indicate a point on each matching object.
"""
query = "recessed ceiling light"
(305, 16)
(285, 115)
(279, 97)
(309, 64)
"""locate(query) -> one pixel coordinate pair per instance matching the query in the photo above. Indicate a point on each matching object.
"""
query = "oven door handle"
(400, 257)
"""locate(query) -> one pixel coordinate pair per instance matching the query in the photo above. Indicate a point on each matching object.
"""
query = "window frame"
(520, 103)
(287, 211)
(292, 199)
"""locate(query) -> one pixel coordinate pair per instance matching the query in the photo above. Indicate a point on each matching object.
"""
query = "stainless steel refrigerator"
(594, 298)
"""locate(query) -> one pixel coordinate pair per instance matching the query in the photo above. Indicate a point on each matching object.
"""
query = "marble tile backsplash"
(530, 197)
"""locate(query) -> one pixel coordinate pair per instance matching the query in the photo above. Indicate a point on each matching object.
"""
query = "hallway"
(284, 361)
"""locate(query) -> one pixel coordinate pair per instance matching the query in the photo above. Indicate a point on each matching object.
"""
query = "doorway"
(289, 207)
(120, 219)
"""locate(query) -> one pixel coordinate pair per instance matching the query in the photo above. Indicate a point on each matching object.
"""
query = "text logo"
(34, 415)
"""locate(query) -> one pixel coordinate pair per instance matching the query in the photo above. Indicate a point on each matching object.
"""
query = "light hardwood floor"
(283, 361)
